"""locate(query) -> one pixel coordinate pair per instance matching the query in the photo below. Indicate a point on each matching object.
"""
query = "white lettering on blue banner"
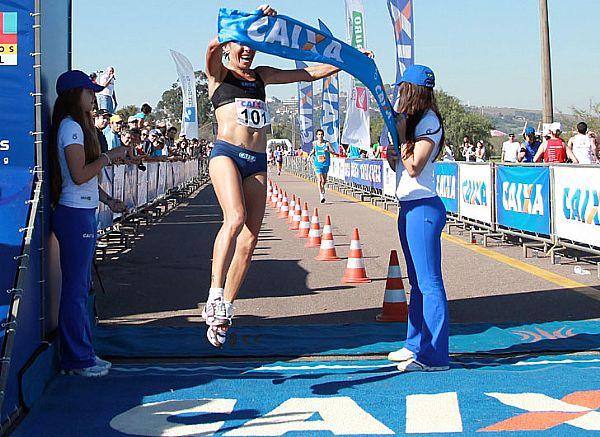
(525, 198)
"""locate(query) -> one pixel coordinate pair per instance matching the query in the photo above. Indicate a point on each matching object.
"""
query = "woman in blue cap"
(75, 163)
(421, 218)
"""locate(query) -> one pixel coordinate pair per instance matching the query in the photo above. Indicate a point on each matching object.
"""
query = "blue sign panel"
(16, 142)
(348, 170)
(190, 114)
(365, 172)
(446, 184)
(523, 198)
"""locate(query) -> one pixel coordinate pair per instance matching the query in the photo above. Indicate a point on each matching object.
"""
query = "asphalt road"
(165, 275)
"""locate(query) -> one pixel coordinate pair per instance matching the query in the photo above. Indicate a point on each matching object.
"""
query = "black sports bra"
(233, 88)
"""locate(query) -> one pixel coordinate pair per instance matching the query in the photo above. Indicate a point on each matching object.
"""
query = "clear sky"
(486, 52)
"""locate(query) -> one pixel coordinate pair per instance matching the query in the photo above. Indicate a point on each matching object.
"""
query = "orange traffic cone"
(327, 250)
(274, 197)
(279, 200)
(314, 235)
(290, 215)
(355, 268)
(304, 227)
(269, 191)
(395, 308)
(285, 208)
(295, 225)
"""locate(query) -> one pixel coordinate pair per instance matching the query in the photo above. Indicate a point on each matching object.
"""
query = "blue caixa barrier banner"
(523, 198)
(446, 184)
(365, 172)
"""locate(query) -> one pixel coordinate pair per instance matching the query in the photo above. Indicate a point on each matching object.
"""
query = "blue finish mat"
(311, 340)
(362, 397)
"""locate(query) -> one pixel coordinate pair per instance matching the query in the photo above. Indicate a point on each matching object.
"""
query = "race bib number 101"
(252, 113)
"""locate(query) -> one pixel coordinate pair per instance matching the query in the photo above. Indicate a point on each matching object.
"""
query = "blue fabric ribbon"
(288, 38)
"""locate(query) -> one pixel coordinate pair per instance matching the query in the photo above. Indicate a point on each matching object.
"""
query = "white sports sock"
(215, 293)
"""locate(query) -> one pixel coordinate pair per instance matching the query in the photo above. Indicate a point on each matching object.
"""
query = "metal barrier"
(147, 194)
(549, 207)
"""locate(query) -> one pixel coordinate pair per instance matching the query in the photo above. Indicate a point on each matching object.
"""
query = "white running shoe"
(322, 197)
(88, 372)
(416, 366)
(218, 313)
(103, 363)
(401, 355)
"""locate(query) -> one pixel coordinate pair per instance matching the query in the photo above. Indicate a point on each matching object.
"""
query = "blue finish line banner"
(446, 184)
(523, 198)
(283, 36)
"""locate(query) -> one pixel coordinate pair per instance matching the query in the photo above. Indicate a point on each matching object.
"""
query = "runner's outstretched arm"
(272, 75)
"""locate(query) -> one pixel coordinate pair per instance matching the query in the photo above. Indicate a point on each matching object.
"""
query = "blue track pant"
(420, 224)
(75, 229)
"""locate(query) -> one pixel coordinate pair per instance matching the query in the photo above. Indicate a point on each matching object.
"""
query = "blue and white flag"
(187, 81)
(401, 14)
(283, 36)
(330, 115)
(305, 111)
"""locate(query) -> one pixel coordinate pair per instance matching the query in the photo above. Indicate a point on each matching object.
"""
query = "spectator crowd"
(550, 147)
(144, 138)
(150, 140)
(547, 147)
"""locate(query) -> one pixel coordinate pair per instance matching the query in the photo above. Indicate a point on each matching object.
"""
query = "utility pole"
(548, 113)
(294, 130)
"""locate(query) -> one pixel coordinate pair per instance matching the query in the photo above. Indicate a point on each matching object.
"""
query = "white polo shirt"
(75, 196)
(422, 186)
(511, 150)
(110, 87)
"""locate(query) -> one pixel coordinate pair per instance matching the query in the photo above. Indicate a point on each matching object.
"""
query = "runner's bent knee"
(234, 222)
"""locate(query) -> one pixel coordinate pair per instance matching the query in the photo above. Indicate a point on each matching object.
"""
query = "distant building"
(291, 104)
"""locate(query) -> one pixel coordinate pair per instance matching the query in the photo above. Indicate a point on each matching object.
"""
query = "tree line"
(458, 122)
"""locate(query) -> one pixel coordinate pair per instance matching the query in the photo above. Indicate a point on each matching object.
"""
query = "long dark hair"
(69, 104)
(415, 101)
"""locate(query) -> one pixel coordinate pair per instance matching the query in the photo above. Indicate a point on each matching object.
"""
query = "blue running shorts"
(248, 162)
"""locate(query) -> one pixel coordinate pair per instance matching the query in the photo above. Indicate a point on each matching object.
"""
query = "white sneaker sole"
(217, 337)
(399, 359)
(402, 368)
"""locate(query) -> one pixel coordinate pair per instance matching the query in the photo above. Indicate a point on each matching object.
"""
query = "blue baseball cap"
(75, 79)
(529, 131)
(419, 75)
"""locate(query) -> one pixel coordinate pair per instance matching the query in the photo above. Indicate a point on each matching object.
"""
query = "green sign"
(358, 30)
